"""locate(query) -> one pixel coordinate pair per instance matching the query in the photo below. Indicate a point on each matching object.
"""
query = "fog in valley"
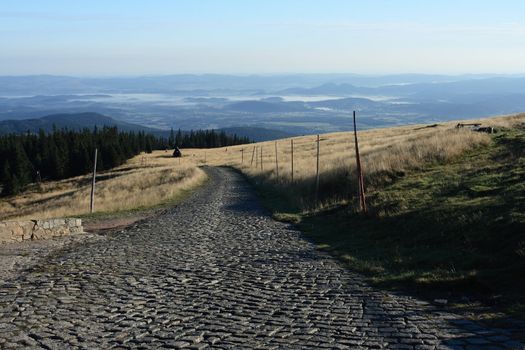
(290, 104)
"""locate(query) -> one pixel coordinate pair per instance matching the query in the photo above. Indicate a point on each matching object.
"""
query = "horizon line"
(133, 75)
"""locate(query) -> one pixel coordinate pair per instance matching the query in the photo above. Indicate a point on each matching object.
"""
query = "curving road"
(217, 271)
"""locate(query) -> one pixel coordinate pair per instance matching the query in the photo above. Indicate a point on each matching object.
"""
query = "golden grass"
(145, 180)
(150, 179)
(385, 153)
(504, 121)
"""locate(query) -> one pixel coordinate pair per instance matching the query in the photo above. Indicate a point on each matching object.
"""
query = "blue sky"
(130, 37)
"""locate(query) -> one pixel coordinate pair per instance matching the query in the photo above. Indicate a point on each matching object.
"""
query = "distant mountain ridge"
(496, 86)
(51, 84)
(78, 121)
(73, 121)
(301, 104)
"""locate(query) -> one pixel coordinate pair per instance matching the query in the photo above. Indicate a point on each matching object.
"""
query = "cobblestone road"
(216, 271)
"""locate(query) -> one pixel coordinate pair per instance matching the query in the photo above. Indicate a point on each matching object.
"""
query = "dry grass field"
(446, 206)
(385, 153)
(145, 180)
(151, 179)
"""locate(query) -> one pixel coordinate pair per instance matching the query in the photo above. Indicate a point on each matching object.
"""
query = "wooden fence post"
(317, 172)
(92, 204)
(276, 161)
(253, 153)
(261, 158)
(360, 178)
(242, 155)
(291, 143)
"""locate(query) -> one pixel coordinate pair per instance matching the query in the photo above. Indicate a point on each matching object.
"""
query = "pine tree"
(171, 140)
(10, 182)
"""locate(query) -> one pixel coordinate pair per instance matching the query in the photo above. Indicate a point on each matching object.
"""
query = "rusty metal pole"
(276, 161)
(253, 153)
(291, 143)
(360, 178)
(317, 172)
(92, 203)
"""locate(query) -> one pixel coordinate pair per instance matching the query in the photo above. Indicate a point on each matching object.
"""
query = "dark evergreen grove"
(27, 158)
(204, 139)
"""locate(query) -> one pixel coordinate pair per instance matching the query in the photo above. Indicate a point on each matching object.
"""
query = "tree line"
(204, 139)
(28, 158)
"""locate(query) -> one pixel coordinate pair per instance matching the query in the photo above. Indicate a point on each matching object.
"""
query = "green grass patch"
(451, 230)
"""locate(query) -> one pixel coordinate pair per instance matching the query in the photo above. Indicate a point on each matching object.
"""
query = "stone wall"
(18, 231)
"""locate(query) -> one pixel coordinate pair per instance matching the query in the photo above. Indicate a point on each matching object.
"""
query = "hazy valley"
(290, 104)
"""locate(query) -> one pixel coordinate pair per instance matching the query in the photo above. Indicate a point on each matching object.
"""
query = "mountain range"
(74, 121)
(56, 85)
(293, 104)
(78, 121)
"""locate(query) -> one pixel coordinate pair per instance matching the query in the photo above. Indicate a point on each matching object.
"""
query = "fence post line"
(276, 161)
(92, 202)
(317, 172)
(360, 178)
(291, 143)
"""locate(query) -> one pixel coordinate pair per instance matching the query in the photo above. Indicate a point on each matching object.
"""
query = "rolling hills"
(74, 121)
(297, 104)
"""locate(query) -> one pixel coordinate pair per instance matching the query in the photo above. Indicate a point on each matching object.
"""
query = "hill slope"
(452, 229)
(446, 205)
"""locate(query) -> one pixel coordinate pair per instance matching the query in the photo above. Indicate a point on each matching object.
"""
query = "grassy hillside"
(447, 206)
(386, 154)
(454, 229)
(144, 181)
